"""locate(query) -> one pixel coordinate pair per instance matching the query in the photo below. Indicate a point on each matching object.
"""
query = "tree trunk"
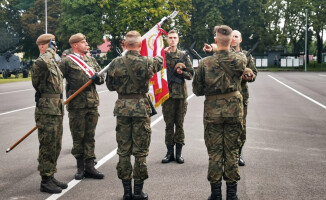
(319, 47)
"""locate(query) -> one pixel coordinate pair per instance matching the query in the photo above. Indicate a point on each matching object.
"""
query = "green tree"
(205, 15)
(10, 15)
(80, 16)
(123, 16)
(250, 17)
(33, 23)
(318, 16)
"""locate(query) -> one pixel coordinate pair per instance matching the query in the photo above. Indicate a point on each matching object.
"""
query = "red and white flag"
(153, 45)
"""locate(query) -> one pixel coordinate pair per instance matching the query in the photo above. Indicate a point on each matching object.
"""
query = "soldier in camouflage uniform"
(237, 39)
(47, 81)
(83, 111)
(174, 109)
(129, 76)
(218, 77)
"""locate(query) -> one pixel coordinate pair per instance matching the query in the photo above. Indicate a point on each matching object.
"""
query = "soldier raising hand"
(47, 81)
(218, 77)
(129, 76)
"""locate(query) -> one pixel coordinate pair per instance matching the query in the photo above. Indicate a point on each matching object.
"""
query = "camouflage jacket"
(118, 80)
(66, 52)
(76, 78)
(244, 84)
(176, 90)
(47, 79)
(211, 79)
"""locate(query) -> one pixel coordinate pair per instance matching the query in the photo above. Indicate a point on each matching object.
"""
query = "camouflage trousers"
(222, 142)
(50, 139)
(82, 124)
(133, 135)
(243, 135)
(174, 112)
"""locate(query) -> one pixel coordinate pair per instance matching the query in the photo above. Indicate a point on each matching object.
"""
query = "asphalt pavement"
(285, 152)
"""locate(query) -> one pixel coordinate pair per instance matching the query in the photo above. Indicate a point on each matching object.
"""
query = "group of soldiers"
(222, 78)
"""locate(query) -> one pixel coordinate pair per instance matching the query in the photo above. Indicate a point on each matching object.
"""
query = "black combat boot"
(90, 171)
(138, 192)
(59, 183)
(178, 156)
(80, 169)
(231, 191)
(170, 154)
(48, 186)
(216, 191)
(241, 162)
(127, 190)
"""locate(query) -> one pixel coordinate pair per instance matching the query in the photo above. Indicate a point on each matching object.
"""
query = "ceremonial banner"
(152, 45)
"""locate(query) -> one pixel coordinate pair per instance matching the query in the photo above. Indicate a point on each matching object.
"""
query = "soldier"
(237, 39)
(47, 81)
(78, 68)
(129, 76)
(174, 109)
(218, 77)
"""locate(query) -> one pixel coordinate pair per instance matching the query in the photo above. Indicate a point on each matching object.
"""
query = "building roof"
(105, 47)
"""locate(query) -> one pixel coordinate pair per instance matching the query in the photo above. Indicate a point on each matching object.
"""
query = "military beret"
(44, 39)
(76, 38)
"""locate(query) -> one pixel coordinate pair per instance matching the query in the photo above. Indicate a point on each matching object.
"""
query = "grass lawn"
(12, 79)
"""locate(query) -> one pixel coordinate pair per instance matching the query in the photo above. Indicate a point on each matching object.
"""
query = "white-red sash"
(87, 69)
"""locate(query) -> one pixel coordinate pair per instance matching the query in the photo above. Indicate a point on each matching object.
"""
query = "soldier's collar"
(133, 52)
(80, 56)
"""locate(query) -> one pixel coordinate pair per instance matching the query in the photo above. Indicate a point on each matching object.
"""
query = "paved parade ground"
(285, 152)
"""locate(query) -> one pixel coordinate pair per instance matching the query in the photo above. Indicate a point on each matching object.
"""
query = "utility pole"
(46, 16)
(306, 43)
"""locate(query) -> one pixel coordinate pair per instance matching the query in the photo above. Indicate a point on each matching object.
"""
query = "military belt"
(222, 96)
(131, 96)
(55, 96)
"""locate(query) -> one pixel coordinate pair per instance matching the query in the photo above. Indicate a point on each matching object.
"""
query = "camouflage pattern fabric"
(83, 113)
(76, 78)
(82, 124)
(174, 112)
(175, 108)
(244, 84)
(133, 135)
(50, 137)
(245, 95)
(221, 138)
(66, 52)
(47, 79)
(118, 80)
(179, 91)
(222, 117)
(133, 132)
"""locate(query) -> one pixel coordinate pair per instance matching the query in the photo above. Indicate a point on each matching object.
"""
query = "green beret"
(44, 39)
(76, 38)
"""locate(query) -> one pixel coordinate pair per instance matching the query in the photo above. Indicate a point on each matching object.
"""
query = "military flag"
(153, 45)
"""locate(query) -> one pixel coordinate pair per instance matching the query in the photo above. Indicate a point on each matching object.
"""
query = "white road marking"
(74, 182)
(322, 75)
(15, 91)
(296, 91)
(5, 113)
(16, 110)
